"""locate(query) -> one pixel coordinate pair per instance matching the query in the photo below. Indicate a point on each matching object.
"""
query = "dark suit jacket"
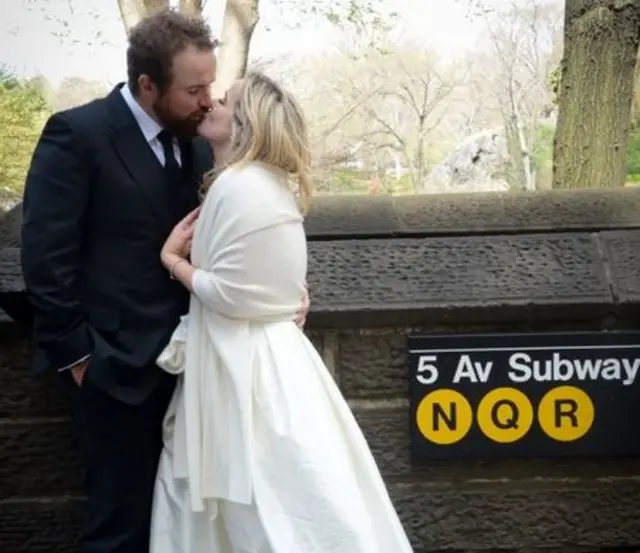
(95, 218)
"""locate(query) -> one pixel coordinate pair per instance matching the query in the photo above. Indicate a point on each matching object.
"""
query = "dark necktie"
(174, 176)
(171, 166)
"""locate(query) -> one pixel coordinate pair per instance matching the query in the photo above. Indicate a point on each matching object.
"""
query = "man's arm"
(54, 209)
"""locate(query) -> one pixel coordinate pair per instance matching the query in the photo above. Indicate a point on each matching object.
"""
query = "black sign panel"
(524, 395)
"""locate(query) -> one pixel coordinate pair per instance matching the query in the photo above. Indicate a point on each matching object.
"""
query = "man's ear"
(146, 86)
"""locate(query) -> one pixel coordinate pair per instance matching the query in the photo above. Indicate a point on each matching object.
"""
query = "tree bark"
(192, 7)
(517, 143)
(596, 91)
(238, 24)
(153, 6)
(132, 11)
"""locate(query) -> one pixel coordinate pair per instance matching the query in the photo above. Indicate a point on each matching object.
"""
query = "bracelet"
(173, 266)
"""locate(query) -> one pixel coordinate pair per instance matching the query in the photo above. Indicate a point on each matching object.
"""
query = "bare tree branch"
(193, 7)
(239, 22)
(133, 11)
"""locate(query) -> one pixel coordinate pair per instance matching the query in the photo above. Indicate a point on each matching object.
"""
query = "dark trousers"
(121, 446)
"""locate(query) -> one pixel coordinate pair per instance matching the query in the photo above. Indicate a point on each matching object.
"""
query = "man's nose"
(206, 103)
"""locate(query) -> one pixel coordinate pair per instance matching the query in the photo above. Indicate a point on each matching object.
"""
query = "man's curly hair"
(157, 39)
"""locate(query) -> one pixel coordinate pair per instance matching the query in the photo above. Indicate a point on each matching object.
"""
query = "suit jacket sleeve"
(54, 210)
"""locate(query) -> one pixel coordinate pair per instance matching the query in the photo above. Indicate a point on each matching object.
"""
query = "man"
(107, 183)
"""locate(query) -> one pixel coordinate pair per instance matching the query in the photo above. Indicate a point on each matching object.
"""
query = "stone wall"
(380, 268)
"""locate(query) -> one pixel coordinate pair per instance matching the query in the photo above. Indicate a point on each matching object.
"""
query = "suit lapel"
(197, 160)
(137, 157)
(189, 188)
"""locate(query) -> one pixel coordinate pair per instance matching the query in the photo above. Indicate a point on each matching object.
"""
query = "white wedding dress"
(262, 454)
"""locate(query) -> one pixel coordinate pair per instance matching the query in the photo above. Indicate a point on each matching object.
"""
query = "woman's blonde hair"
(269, 126)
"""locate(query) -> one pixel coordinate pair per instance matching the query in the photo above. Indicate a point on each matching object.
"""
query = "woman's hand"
(301, 317)
(178, 244)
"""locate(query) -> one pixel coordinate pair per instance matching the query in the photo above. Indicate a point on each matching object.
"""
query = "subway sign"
(524, 395)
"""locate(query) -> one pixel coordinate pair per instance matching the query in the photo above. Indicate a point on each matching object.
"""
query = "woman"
(262, 453)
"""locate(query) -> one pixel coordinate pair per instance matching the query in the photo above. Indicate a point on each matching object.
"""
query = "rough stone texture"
(332, 217)
(435, 214)
(39, 525)
(316, 338)
(13, 300)
(465, 518)
(10, 272)
(363, 283)
(471, 165)
(386, 430)
(10, 223)
(434, 278)
(23, 394)
(591, 515)
(38, 458)
(622, 249)
(355, 216)
(373, 364)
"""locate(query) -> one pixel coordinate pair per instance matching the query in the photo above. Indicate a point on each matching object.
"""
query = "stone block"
(387, 433)
(40, 525)
(484, 518)
(339, 216)
(23, 393)
(595, 516)
(370, 283)
(10, 271)
(472, 213)
(10, 225)
(38, 458)
(356, 216)
(541, 211)
(13, 300)
(316, 338)
(373, 363)
(622, 249)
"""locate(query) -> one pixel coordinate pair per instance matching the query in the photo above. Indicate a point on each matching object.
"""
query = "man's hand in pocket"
(78, 372)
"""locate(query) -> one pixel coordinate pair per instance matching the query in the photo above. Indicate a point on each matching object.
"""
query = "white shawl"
(250, 255)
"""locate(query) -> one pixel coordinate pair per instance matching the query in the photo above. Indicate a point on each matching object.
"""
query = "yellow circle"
(566, 413)
(505, 415)
(444, 416)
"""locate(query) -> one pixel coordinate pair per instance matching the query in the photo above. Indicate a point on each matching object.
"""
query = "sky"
(93, 47)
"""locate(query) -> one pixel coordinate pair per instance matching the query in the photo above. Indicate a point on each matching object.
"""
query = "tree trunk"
(192, 7)
(132, 11)
(524, 157)
(521, 176)
(153, 6)
(596, 91)
(238, 24)
(420, 163)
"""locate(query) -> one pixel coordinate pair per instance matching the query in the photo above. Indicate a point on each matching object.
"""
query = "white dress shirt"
(149, 127)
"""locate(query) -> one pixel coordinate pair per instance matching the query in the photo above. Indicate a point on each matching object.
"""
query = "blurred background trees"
(549, 98)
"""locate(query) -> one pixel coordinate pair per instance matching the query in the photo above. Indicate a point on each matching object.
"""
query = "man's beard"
(185, 127)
